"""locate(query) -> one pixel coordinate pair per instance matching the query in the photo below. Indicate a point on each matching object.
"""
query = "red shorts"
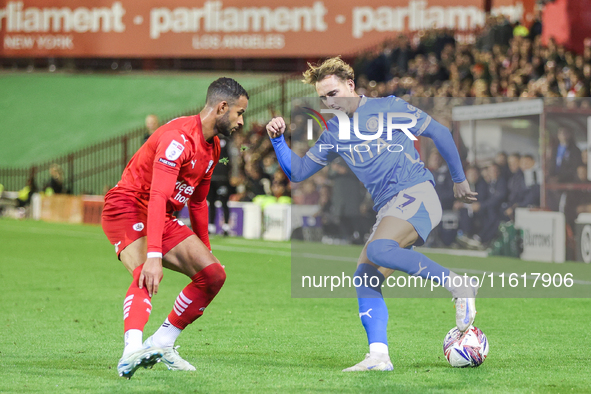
(124, 221)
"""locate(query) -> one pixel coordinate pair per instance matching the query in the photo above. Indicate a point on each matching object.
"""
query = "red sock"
(137, 306)
(191, 302)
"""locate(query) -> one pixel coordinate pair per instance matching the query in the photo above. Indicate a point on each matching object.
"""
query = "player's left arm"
(199, 212)
(446, 146)
(424, 124)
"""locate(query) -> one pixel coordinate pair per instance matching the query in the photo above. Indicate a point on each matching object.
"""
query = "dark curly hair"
(224, 89)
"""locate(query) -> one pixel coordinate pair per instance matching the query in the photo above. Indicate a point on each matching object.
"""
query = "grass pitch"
(61, 328)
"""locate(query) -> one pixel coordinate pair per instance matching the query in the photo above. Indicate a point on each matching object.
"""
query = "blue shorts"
(419, 205)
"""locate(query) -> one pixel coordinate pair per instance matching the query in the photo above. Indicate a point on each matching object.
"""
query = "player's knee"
(379, 249)
(216, 277)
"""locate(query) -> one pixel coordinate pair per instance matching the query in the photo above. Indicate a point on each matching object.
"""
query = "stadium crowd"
(505, 61)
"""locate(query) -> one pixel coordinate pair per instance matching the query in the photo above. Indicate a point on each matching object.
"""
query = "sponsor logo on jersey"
(174, 150)
(168, 163)
(138, 226)
(184, 191)
(209, 166)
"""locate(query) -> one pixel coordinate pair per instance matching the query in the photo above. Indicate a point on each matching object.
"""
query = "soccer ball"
(467, 349)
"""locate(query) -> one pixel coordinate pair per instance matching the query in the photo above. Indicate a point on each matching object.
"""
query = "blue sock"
(372, 308)
(388, 253)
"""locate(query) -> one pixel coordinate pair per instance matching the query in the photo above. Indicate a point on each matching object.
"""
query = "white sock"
(133, 341)
(378, 349)
(166, 335)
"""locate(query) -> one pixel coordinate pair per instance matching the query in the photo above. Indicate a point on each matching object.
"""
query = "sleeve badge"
(174, 150)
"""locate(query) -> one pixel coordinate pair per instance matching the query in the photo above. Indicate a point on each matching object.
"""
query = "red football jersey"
(171, 169)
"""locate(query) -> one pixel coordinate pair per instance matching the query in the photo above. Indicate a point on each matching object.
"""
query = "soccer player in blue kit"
(402, 189)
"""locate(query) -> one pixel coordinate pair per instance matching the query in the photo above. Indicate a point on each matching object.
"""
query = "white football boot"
(146, 358)
(171, 357)
(465, 311)
(374, 363)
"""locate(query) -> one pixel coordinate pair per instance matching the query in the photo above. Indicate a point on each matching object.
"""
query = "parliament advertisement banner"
(228, 28)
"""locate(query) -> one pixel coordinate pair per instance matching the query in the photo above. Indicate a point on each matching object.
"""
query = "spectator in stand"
(577, 201)
(257, 184)
(566, 157)
(578, 86)
(280, 193)
(401, 55)
(347, 197)
(25, 195)
(536, 27)
(587, 76)
(501, 161)
(152, 123)
(581, 199)
(443, 182)
(469, 221)
(239, 183)
(532, 177)
(515, 185)
(56, 181)
(306, 193)
(220, 188)
(490, 208)
(444, 188)
(270, 165)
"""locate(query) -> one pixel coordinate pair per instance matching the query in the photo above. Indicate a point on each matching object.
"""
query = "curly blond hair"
(333, 66)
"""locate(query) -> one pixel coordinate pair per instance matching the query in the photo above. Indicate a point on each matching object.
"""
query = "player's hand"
(151, 275)
(276, 127)
(463, 193)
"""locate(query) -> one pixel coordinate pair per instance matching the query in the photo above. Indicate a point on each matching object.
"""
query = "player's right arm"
(296, 168)
(165, 171)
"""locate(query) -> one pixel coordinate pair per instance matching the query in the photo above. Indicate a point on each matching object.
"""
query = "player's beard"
(224, 126)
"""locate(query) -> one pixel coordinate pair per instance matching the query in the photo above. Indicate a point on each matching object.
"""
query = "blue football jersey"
(385, 165)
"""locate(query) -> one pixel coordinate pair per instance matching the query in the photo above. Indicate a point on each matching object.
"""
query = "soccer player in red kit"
(172, 168)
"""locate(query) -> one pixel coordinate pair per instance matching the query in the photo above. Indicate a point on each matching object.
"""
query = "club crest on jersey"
(372, 124)
(138, 226)
(209, 166)
(174, 150)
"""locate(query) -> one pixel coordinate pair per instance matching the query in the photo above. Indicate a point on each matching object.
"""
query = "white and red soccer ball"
(465, 349)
